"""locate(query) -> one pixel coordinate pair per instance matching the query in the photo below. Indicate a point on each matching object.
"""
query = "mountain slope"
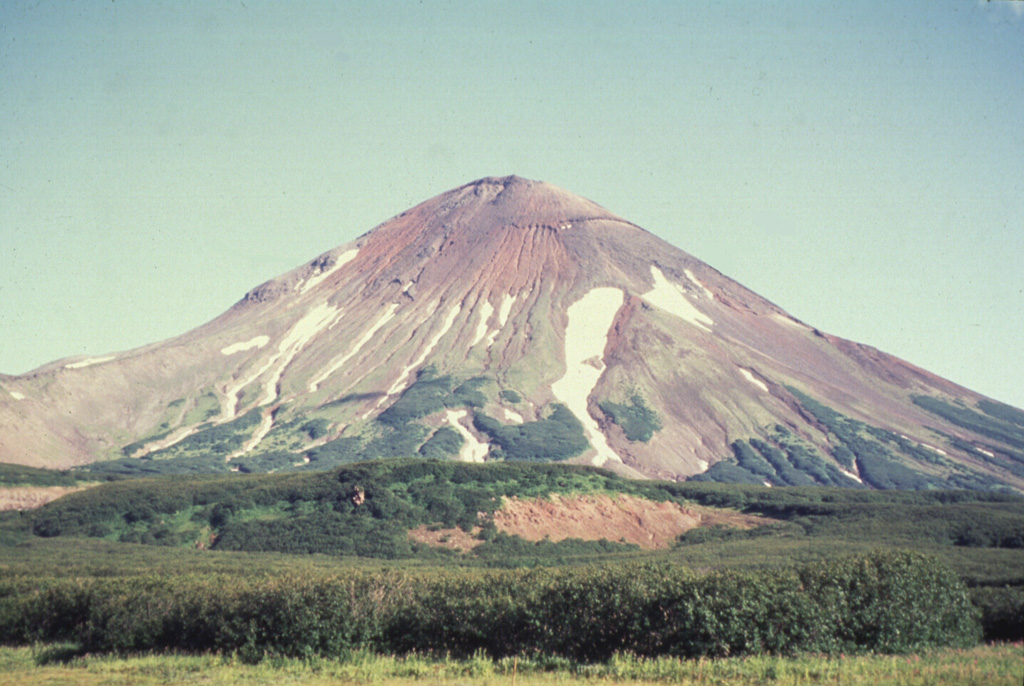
(511, 319)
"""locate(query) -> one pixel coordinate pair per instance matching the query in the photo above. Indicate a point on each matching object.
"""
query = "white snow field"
(851, 475)
(257, 343)
(472, 450)
(503, 312)
(315, 321)
(586, 335)
(88, 362)
(671, 298)
(513, 416)
(753, 379)
(486, 310)
(363, 340)
(17, 396)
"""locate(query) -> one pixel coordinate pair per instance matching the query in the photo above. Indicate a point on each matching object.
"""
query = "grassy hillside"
(367, 509)
(245, 526)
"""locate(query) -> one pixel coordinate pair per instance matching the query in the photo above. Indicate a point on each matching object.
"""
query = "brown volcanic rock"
(523, 284)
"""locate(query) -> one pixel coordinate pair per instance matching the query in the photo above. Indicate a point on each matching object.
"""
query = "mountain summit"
(510, 319)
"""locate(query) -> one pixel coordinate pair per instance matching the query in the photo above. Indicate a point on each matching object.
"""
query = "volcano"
(509, 319)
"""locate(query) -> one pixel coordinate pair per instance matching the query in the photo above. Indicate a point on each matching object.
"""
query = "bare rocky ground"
(621, 519)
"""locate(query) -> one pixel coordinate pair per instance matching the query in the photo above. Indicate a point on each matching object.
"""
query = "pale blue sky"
(858, 163)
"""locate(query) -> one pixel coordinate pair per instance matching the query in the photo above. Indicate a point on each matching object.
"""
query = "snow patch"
(934, 449)
(88, 362)
(503, 313)
(315, 321)
(17, 396)
(851, 475)
(671, 298)
(513, 416)
(697, 283)
(264, 428)
(257, 343)
(472, 450)
(702, 465)
(586, 336)
(381, 321)
(980, 450)
(317, 278)
(487, 309)
(785, 319)
(400, 384)
(767, 484)
(753, 379)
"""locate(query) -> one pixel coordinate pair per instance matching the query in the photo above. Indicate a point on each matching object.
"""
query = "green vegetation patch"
(207, 407)
(445, 442)
(558, 436)
(885, 460)
(221, 439)
(18, 475)
(510, 396)
(430, 394)
(886, 602)
(783, 461)
(996, 421)
(366, 509)
(638, 421)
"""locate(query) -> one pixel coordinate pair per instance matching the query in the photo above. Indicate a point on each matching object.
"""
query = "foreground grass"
(989, 665)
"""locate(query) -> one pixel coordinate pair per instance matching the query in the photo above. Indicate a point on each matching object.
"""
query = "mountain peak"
(511, 319)
(517, 201)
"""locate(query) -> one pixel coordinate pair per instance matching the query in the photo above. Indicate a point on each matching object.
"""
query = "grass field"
(990, 665)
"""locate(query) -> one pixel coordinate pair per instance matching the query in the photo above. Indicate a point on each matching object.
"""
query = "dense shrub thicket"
(19, 475)
(318, 512)
(886, 602)
(558, 436)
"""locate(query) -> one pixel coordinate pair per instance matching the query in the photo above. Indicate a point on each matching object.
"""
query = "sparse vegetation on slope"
(878, 457)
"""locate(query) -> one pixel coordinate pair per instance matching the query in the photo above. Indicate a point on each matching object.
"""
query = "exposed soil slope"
(592, 517)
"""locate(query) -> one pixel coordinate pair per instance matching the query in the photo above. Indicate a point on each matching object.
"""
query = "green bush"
(445, 442)
(510, 396)
(1002, 612)
(890, 602)
(883, 602)
(558, 436)
(999, 422)
(638, 421)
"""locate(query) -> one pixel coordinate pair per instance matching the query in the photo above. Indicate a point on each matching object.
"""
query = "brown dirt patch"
(592, 517)
(618, 518)
(452, 539)
(31, 497)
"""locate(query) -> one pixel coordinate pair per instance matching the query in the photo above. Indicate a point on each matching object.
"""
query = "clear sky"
(860, 164)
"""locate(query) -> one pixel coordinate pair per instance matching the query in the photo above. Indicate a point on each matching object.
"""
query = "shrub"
(638, 421)
(559, 436)
(510, 396)
(884, 602)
